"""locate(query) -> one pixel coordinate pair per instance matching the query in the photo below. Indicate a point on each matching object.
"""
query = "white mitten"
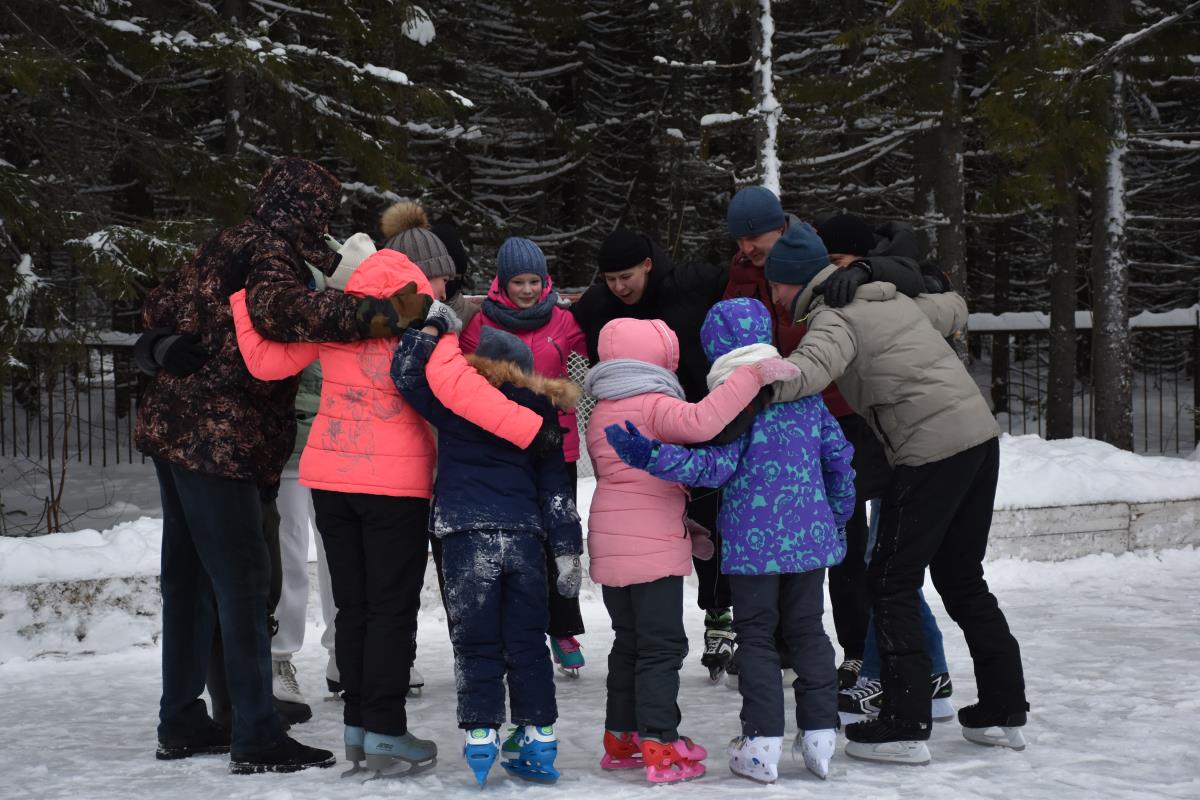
(570, 575)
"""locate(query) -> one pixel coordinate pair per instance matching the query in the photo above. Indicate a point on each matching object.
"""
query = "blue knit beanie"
(500, 345)
(519, 256)
(797, 257)
(754, 210)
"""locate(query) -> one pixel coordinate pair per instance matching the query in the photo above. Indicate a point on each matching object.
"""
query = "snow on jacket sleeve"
(681, 422)
(265, 359)
(283, 308)
(836, 455)
(710, 466)
(823, 355)
(408, 373)
(559, 515)
(467, 394)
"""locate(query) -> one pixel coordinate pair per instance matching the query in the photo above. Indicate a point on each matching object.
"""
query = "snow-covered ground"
(1108, 644)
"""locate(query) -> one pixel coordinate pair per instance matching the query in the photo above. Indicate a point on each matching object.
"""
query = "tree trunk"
(948, 176)
(767, 127)
(234, 88)
(1002, 272)
(1060, 413)
(1111, 365)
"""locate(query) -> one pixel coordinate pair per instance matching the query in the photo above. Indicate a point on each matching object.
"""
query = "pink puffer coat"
(635, 530)
(551, 344)
(365, 438)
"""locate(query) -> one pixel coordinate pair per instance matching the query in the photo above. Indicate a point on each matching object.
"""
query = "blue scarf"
(521, 319)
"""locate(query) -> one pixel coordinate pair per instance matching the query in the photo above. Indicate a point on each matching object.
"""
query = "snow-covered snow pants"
(648, 649)
(496, 597)
(376, 548)
(794, 604)
(214, 567)
(938, 516)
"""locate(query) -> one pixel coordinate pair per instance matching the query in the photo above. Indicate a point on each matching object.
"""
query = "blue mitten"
(632, 448)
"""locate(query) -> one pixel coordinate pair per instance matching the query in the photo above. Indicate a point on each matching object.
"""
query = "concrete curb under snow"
(76, 617)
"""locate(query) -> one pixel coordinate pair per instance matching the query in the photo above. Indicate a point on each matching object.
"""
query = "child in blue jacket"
(788, 493)
(494, 506)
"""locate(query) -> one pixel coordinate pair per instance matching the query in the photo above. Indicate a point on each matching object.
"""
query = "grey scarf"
(628, 377)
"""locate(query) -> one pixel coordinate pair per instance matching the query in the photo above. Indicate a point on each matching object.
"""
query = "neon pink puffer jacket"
(551, 344)
(365, 438)
(635, 529)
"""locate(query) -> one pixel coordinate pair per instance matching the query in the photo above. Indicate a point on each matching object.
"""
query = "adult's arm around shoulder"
(822, 355)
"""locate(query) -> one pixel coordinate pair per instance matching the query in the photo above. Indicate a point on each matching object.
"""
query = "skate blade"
(1011, 738)
(910, 753)
(530, 773)
(759, 781)
(610, 763)
(942, 710)
(570, 672)
(401, 769)
(357, 769)
(415, 691)
(688, 773)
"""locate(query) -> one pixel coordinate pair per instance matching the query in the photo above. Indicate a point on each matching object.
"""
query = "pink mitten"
(770, 370)
(702, 543)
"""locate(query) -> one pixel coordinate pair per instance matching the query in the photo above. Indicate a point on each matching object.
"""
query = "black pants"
(376, 550)
(793, 604)
(215, 567)
(848, 592)
(712, 588)
(937, 516)
(648, 649)
(565, 617)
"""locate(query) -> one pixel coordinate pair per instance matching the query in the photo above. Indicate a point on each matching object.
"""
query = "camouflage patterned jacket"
(221, 421)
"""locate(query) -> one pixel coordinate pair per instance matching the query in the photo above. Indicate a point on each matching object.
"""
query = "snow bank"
(1035, 473)
(129, 549)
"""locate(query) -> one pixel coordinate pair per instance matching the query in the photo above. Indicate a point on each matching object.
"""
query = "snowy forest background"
(1048, 152)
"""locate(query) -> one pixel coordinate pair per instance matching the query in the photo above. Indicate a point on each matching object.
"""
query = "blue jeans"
(496, 599)
(214, 567)
(933, 634)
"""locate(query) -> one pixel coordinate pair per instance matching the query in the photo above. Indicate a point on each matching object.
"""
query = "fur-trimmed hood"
(561, 392)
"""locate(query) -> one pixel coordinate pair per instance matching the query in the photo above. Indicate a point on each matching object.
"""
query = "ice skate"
(889, 740)
(397, 756)
(480, 750)
(816, 748)
(673, 762)
(941, 709)
(755, 757)
(848, 673)
(289, 701)
(987, 726)
(416, 682)
(333, 679)
(353, 737)
(529, 753)
(567, 655)
(718, 643)
(861, 700)
(622, 750)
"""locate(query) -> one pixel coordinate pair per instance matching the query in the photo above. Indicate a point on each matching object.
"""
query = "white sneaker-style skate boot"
(816, 748)
(416, 682)
(755, 757)
(289, 702)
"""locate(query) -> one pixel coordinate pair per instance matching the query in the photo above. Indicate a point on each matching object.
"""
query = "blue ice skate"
(480, 751)
(529, 753)
(353, 736)
(397, 756)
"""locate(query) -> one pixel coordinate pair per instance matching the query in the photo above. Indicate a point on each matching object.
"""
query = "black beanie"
(446, 230)
(848, 234)
(622, 249)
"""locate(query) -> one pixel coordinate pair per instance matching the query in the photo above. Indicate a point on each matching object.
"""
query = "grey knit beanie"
(406, 228)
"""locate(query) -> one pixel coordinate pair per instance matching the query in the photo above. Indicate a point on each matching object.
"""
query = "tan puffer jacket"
(889, 356)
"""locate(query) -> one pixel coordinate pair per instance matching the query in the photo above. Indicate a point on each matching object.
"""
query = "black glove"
(549, 438)
(936, 281)
(180, 355)
(839, 288)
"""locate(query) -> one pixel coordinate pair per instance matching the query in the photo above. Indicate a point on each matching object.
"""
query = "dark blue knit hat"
(519, 256)
(501, 345)
(797, 257)
(754, 210)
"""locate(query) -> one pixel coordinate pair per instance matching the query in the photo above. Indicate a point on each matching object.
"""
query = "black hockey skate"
(983, 724)
(889, 740)
(718, 643)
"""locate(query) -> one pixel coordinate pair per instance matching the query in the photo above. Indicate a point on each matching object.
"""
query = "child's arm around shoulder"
(681, 422)
(265, 359)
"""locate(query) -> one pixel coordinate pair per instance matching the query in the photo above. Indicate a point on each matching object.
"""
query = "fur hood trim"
(401, 217)
(561, 392)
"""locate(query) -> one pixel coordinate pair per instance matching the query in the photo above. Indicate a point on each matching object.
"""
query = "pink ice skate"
(621, 751)
(666, 763)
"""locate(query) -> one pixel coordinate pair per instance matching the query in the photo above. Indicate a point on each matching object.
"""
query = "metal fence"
(85, 409)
